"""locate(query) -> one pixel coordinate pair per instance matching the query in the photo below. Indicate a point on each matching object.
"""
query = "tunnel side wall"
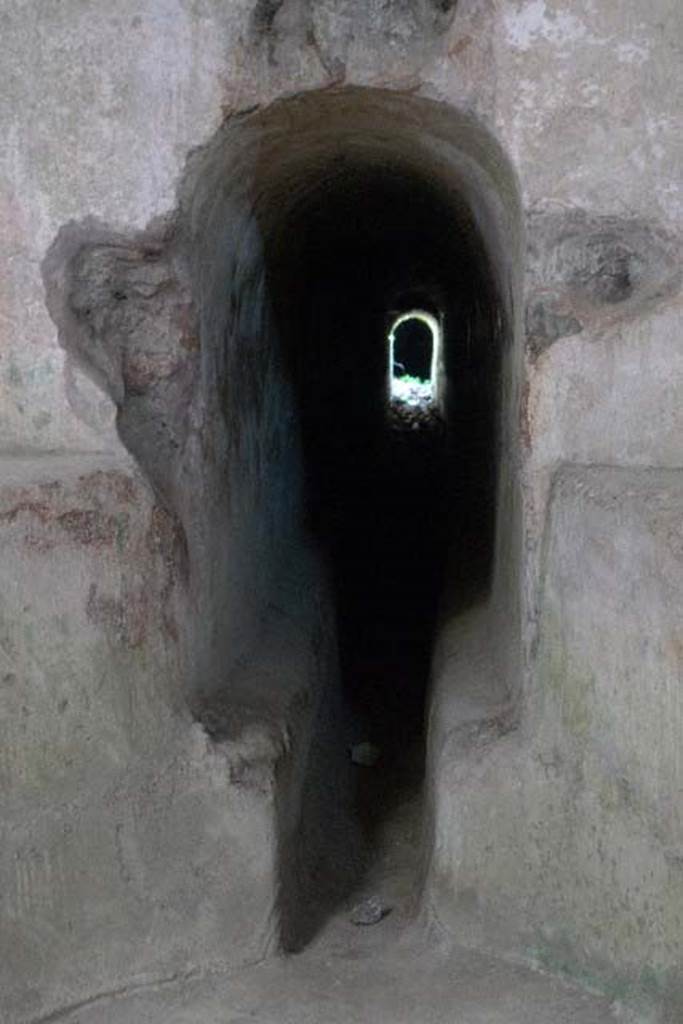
(265, 637)
(571, 824)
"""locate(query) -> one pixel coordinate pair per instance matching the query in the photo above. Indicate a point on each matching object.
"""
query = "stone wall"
(139, 846)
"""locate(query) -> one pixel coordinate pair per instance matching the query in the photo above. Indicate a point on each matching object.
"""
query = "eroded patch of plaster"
(534, 20)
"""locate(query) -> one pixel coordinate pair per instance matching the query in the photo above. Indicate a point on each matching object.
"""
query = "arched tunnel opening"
(398, 504)
(336, 533)
(412, 348)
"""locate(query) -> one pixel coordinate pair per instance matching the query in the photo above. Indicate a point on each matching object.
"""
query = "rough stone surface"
(592, 272)
(369, 911)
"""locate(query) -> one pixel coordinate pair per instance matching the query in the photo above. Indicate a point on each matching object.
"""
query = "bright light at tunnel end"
(405, 388)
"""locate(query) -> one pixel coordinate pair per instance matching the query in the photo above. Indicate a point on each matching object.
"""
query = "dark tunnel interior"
(402, 512)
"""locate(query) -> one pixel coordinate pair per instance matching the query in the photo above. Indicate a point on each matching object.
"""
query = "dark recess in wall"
(391, 509)
(315, 254)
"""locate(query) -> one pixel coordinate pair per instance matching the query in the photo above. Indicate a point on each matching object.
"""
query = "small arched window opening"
(414, 357)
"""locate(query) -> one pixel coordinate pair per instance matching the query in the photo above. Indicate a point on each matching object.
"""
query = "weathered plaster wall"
(572, 823)
(100, 109)
(103, 769)
(591, 127)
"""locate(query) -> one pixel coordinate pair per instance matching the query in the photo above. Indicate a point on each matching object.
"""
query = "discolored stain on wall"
(586, 272)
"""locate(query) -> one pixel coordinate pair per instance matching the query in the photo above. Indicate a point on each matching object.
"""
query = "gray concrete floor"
(388, 973)
(351, 980)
